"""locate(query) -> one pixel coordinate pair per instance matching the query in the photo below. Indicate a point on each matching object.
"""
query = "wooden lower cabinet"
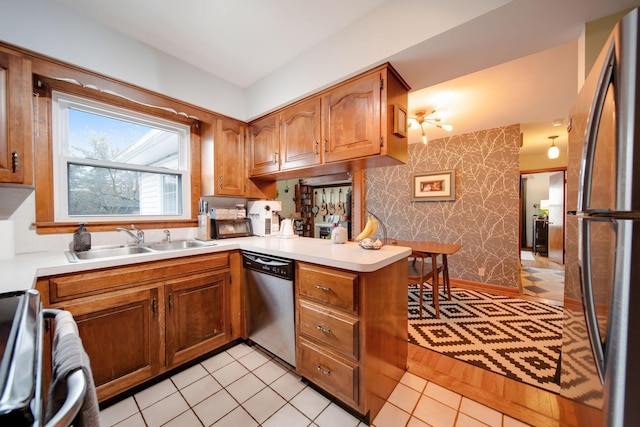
(135, 333)
(121, 335)
(351, 332)
(196, 316)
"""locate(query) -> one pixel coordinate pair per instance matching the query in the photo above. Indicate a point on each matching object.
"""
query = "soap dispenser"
(81, 239)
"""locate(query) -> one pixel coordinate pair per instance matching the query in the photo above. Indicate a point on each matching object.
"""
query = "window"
(116, 164)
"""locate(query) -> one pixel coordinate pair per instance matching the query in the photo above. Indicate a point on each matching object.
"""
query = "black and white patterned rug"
(517, 338)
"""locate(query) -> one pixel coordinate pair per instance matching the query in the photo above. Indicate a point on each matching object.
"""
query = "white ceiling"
(482, 64)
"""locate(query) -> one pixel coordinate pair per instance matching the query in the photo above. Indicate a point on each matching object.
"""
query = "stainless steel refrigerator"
(600, 360)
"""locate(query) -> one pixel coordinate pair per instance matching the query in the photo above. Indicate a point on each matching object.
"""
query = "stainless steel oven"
(21, 366)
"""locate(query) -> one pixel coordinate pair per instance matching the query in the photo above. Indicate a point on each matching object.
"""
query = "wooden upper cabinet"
(300, 139)
(16, 145)
(264, 143)
(351, 119)
(229, 158)
(353, 122)
(224, 162)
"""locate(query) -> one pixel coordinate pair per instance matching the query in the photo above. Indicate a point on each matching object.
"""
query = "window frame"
(50, 74)
(61, 101)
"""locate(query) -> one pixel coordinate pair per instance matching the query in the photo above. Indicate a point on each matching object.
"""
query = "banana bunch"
(369, 229)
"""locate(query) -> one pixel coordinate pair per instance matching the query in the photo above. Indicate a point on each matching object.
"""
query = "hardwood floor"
(541, 262)
(524, 402)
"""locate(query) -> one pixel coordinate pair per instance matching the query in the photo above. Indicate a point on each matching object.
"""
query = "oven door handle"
(76, 389)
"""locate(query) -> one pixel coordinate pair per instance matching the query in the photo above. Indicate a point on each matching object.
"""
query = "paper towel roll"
(7, 240)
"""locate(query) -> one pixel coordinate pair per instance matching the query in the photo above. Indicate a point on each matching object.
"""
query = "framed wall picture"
(433, 186)
(399, 121)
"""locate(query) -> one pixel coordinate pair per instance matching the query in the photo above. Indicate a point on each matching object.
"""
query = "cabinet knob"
(275, 157)
(317, 147)
(323, 288)
(220, 181)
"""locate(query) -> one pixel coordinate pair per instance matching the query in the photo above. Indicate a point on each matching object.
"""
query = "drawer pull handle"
(319, 368)
(325, 330)
(324, 288)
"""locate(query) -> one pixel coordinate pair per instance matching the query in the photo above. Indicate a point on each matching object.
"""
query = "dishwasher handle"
(273, 262)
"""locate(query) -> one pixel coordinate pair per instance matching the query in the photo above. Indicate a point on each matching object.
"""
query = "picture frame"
(399, 121)
(433, 186)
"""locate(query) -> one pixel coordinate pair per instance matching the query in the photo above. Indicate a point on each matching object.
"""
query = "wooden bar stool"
(421, 270)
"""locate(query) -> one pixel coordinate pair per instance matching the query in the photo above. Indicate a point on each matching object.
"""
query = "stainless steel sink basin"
(177, 245)
(99, 252)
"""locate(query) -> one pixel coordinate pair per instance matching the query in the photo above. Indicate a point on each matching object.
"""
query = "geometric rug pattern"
(543, 283)
(517, 338)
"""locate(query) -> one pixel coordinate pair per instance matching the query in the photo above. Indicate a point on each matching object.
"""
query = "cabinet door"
(15, 120)
(229, 155)
(264, 155)
(121, 335)
(351, 119)
(196, 315)
(300, 135)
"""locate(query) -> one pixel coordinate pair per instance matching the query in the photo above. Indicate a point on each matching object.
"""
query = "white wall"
(347, 53)
(537, 189)
(48, 28)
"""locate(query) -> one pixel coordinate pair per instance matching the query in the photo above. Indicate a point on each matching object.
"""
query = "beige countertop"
(21, 272)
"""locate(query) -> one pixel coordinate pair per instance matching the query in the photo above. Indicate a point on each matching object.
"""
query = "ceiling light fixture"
(422, 117)
(554, 151)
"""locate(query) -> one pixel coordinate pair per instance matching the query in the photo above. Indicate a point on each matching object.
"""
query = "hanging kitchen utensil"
(315, 207)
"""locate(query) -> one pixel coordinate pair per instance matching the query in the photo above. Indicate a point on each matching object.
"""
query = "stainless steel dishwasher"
(270, 304)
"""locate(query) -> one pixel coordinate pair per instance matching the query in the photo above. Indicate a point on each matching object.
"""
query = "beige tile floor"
(244, 386)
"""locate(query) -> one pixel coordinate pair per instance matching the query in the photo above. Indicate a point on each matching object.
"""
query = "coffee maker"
(265, 220)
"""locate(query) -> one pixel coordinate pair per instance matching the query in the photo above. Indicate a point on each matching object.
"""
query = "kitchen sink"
(99, 252)
(177, 245)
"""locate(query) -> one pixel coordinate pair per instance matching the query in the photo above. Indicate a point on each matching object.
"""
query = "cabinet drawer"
(330, 328)
(63, 288)
(338, 377)
(338, 288)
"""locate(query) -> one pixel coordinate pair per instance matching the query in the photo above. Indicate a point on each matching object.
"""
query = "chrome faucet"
(167, 236)
(138, 237)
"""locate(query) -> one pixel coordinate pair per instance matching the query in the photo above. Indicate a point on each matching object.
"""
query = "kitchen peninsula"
(359, 359)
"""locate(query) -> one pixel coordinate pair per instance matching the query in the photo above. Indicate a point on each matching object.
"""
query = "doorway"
(542, 208)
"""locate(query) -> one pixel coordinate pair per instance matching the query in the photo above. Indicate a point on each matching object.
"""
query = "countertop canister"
(339, 234)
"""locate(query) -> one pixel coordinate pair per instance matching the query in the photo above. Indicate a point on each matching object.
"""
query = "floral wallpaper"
(484, 216)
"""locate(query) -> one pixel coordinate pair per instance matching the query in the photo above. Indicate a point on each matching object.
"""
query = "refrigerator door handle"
(586, 169)
(584, 260)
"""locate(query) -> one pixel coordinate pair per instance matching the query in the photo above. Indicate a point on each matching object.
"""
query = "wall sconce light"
(553, 151)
